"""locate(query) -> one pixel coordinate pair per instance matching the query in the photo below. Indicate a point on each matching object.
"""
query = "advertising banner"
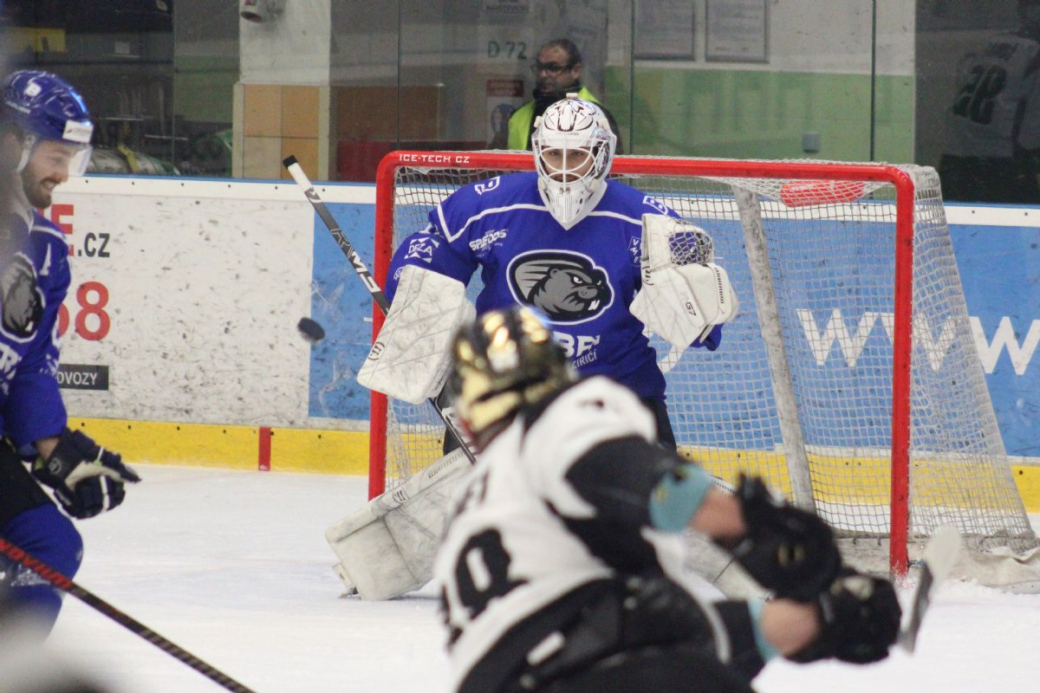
(184, 300)
(186, 295)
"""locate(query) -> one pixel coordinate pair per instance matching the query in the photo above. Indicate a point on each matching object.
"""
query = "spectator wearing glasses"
(557, 73)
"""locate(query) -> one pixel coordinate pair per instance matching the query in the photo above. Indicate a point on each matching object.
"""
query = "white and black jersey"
(554, 512)
(993, 125)
(997, 107)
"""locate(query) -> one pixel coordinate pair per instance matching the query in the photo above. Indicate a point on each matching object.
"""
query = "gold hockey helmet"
(503, 361)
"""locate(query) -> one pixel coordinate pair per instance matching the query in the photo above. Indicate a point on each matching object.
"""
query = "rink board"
(202, 282)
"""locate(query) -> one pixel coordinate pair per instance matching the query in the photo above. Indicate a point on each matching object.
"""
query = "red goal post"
(806, 243)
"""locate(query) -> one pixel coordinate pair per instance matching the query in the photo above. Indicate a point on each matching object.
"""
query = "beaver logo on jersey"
(567, 287)
(21, 301)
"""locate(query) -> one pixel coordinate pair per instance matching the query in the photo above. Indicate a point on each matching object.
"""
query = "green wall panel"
(749, 114)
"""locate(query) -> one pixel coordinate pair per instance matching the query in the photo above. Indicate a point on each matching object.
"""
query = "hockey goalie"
(603, 262)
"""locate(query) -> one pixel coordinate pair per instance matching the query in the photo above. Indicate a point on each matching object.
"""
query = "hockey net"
(850, 380)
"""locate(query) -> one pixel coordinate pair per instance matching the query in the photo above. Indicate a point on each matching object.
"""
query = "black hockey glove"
(86, 479)
(786, 550)
(859, 620)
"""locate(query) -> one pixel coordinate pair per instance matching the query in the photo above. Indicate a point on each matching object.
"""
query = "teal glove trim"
(755, 606)
(678, 497)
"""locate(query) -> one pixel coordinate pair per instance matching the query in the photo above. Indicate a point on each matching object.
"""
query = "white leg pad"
(342, 575)
(386, 548)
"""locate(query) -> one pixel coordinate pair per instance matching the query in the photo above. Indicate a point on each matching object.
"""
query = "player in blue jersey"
(568, 242)
(602, 261)
(45, 133)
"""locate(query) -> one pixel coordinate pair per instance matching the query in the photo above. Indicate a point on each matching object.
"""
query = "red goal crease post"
(849, 381)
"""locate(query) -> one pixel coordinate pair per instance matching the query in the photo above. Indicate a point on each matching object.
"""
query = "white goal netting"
(827, 259)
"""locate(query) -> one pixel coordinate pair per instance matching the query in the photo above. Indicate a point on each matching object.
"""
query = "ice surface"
(233, 566)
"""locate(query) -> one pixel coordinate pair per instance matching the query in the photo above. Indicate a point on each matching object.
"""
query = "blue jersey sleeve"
(33, 407)
(443, 246)
(430, 250)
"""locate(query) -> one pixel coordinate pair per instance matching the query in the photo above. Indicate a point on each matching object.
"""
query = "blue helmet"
(46, 107)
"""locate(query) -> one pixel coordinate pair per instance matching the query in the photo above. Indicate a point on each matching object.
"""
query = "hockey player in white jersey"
(603, 261)
(992, 151)
(554, 569)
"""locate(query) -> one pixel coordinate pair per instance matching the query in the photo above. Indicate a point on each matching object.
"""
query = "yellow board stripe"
(867, 479)
(346, 452)
(230, 447)
(1027, 478)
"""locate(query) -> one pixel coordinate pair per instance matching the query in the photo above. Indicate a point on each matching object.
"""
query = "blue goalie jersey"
(582, 279)
(34, 279)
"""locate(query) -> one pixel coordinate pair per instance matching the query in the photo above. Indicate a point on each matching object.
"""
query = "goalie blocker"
(409, 359)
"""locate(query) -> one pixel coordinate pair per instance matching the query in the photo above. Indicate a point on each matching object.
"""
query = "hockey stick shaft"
(59, 580)
(296, 171)
(939, 556)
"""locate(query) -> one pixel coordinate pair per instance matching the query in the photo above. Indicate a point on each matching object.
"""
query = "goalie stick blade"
(939, 556)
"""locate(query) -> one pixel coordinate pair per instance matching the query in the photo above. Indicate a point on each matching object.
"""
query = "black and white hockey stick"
(296, 171)
(939, 556)
(22, 558)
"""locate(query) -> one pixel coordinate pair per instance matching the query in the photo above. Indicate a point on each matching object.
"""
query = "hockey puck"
(310, 330)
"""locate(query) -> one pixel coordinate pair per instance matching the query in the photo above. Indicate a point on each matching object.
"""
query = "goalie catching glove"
(86, 479)
(684, 293)
(787, 550)
(409, 359)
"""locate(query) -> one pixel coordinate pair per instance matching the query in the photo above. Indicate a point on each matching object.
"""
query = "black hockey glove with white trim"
(859, 620)
(786, 550)
(86, 478)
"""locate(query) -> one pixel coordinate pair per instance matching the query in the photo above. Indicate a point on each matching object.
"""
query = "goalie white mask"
(573, 150)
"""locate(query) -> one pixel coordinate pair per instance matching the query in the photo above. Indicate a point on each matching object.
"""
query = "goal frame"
(904, 201)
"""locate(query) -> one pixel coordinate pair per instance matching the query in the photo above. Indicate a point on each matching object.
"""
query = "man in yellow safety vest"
(558, 73)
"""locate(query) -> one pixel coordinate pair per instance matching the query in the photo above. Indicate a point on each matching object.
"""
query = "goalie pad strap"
(386, 548)
(409, 359)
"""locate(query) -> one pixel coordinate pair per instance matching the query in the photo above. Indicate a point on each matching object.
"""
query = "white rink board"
(206, 281)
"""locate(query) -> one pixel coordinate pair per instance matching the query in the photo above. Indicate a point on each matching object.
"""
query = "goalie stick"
(939, 556)
(296, 171)
(22, 558)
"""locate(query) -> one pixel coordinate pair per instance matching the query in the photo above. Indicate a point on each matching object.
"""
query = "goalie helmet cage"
(850, 380)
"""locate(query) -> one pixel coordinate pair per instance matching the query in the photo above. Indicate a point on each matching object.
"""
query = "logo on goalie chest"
(568, 287)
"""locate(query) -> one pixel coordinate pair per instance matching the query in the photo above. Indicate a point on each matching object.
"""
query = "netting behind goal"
(850, 380)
